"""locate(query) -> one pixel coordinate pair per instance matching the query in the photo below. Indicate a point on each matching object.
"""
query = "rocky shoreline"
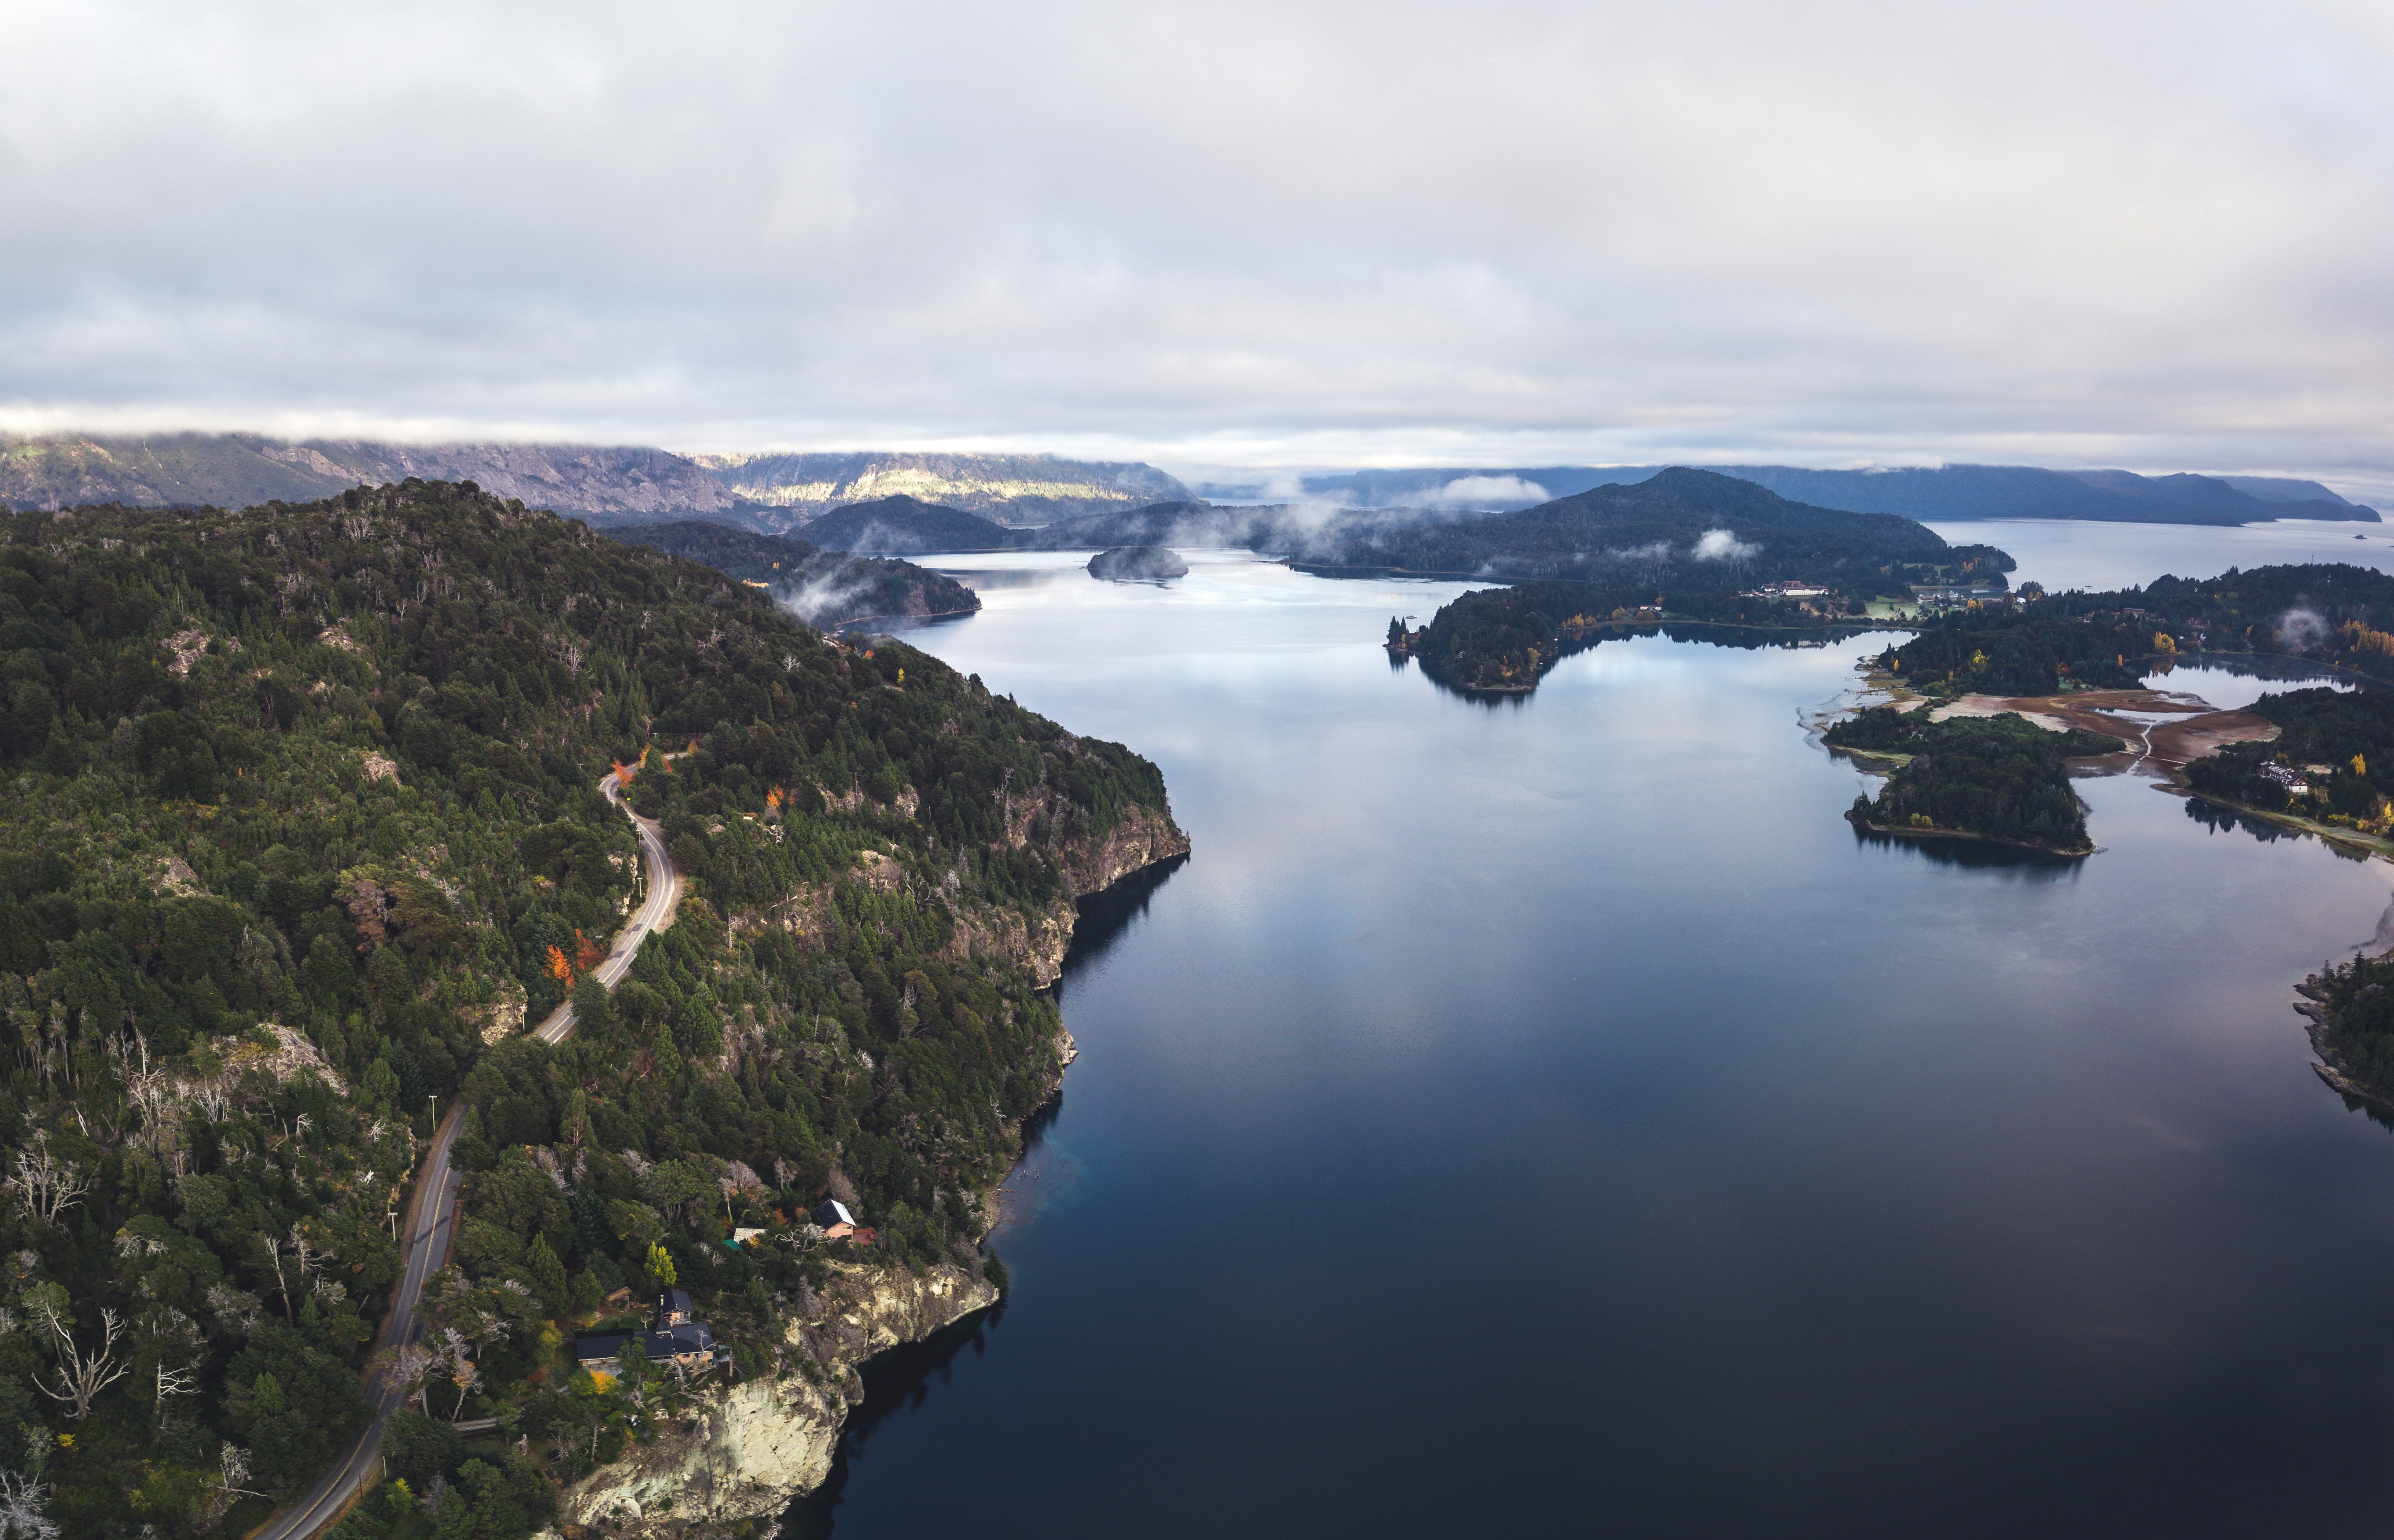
(747, 1453)
(744, 1454)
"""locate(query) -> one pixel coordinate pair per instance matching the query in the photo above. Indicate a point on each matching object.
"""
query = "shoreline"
(2092, 848)
(752, 1452)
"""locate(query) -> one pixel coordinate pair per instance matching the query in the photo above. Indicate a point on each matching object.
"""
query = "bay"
(1550, 1115)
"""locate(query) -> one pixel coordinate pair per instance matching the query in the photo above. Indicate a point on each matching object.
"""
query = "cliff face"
(748, 1451)
(1091, 863)
(1140, 838)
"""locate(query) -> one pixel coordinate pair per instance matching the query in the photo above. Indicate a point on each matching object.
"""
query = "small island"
(1138, 564)
(2003, 779)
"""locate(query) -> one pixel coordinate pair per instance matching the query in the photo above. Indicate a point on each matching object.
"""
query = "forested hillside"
(904, 524)
(2329, 612)
(1686, 544)
(302, 830)
(825, 589)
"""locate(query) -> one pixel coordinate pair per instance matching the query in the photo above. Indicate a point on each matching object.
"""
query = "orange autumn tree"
(587, 954)
(558, 966)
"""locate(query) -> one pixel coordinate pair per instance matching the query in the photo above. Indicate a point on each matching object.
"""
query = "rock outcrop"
(747, 1451)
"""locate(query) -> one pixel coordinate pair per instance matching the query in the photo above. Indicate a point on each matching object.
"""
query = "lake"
(1550, 1117)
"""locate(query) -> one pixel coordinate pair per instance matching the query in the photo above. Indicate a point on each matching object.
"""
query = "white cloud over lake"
(1272, 235)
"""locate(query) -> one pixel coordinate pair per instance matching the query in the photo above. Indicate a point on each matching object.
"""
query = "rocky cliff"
(1090, 862)
(747, 1451)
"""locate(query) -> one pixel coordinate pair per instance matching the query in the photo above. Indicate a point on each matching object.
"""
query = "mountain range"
(1923, 493)
(771, 494)
(776, 494)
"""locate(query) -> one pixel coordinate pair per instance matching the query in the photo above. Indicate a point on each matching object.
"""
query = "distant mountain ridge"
(779, 493)
(235, 470)
(773, 494)
(1006, 489)
(1941, 493)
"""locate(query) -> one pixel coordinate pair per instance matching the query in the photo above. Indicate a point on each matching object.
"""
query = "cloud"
(1478, 491)
(1659, 550)
(1276, 235)
(1721, 546)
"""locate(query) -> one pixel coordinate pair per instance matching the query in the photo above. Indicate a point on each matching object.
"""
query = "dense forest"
(303, 831)
(2002, 778)
(826, 589)
(903, 523)
(2331, 613)
(2330, 762)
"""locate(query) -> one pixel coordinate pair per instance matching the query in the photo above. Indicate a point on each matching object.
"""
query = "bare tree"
(24, 1508)
(290, 1255)
(409, 1368)
(232, 1467)
(82, 1377)
(465, 1376)
(45, 1184)
(184, 1381)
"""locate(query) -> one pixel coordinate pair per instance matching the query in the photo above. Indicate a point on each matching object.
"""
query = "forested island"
(1138, 564)
(2002, 778)
(304, 831)
(826, 589)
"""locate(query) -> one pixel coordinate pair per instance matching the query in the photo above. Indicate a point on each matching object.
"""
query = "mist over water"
(1548, 1116)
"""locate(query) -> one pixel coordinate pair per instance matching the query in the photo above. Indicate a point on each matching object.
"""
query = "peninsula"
(306, 834)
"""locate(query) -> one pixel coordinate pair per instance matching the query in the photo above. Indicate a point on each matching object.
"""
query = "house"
(741, 1237)
(673, 1337)
(831, 1211)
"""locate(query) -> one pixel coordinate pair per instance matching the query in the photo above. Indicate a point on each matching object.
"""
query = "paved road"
(434, 1208)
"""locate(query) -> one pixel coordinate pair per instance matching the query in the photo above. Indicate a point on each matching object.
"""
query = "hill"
(1667, 522)
(1007, 489)
(302, 833)
(242, 469)
(826, 589)
(904, 524)
(1685, 545)
(1939, 492)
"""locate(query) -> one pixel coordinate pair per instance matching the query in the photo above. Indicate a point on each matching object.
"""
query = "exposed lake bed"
(1546, 1111)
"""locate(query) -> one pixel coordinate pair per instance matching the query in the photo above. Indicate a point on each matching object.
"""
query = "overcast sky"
(1276, 234)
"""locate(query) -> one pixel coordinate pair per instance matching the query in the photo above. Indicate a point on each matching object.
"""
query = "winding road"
(433, 1209)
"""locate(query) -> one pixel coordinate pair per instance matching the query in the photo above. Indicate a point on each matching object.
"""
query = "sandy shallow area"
(2163, 729)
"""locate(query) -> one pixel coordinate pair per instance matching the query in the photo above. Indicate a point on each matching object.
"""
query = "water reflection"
(2013, 862)
(1744, 638)
(895, 1381)
(1103, 916)
(1517, 1119)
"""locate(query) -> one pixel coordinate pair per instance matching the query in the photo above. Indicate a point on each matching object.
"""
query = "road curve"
(433, 1209)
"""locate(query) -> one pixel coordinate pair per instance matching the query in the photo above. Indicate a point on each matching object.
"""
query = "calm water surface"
(1550, 1117)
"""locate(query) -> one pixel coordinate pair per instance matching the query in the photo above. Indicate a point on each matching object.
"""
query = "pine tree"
(548, 1277)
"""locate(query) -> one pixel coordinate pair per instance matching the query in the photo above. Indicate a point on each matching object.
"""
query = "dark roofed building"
(831, 1211)
(672, 1337)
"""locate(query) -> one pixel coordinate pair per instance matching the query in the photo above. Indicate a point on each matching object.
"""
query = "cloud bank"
(1286, 234)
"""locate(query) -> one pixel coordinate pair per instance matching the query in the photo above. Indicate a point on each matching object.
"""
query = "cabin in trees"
(673, 1336)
